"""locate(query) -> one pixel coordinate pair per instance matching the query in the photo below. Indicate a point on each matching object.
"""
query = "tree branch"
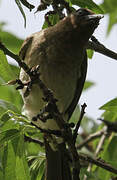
(99, 162)
(29, 139)
(15, 57)
(100, 48)
(91, 137)
(79, 122)
(101, 142)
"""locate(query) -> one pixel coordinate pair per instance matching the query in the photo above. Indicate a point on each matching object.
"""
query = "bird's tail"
(57, 165)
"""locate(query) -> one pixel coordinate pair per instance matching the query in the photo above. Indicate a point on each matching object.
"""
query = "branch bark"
(100, 48)
(99, 162)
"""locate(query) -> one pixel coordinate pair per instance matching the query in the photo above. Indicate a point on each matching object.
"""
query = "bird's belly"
(62, 81)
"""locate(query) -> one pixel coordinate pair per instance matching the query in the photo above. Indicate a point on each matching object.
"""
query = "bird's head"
(85, 22)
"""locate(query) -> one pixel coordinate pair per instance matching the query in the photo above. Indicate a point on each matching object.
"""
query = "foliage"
(24, 160)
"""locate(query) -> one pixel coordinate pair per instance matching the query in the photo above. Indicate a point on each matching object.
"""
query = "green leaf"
(4, 106)
(21, 10)
(15, 70)
(5, 71)
(90, 53)
(53, 19)
(75, 115)
(22, 170)
(112, 21)
(109, 154)
(7, 135)
(9, 162)
(87, 85)
(10, 120)
(9, 93)
(37, 167)
(88, 4)
(11, 41)
(110, 7)
(110, 116)
(14, 161)
(90, 175)
(110, 106)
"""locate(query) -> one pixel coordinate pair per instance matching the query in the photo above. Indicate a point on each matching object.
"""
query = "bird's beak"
(92, 20)
(93, 17)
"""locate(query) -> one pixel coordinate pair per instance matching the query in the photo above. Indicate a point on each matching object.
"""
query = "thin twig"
(101, 142)
(100, 48)
(79, 122)
(99, 162)
(29, 139)
(98, 149)
(15, 57)
(91, 137)
(48, 131)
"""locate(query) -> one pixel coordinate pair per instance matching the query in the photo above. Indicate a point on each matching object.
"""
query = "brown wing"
(26, 44)
(79, 88)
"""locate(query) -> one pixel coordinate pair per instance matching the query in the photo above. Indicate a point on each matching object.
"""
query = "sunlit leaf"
(5, 71)
(11, 41)
(9, 94)
(110, 106)
(14, 162)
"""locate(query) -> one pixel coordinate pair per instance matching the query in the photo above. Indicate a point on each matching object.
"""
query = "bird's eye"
(82, 12)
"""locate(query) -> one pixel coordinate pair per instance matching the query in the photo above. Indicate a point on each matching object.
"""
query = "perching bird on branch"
(60, 52)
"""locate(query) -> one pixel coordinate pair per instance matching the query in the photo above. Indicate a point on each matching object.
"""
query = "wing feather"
(79, 88)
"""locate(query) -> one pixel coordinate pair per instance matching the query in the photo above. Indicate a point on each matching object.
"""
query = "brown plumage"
(60, 52)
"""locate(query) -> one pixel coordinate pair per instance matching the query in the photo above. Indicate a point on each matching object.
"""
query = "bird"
(60, 51)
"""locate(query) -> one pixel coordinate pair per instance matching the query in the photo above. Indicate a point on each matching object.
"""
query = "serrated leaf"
(21, 10)
(5, 70)
(11, 41)
(110, 106)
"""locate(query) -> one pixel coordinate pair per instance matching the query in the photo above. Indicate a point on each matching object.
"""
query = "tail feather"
(57, 165)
